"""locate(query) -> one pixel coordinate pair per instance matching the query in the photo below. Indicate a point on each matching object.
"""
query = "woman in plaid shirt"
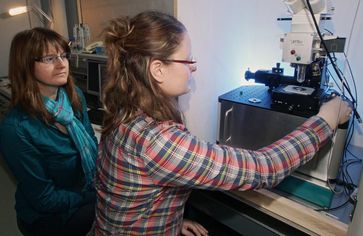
(148, 161)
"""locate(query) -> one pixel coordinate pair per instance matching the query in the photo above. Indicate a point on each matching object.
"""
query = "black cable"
(355, 156)
(350, 132)
(351, 74)
(335, 82)
(347, 172)
(355, 112)
(324, 45)
(345, 176)
(331, 33)
(353, 79)
(347, 162)
(334, 208)
(347, 179)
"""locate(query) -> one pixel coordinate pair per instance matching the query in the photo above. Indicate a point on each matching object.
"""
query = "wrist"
(329, 120)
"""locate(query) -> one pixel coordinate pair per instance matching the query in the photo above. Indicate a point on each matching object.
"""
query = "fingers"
(336, 111)
(346, 112)
(201, 229)
(185, 232)
(191, 228)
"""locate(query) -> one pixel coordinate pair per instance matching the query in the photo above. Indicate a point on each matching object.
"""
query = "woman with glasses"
(46, 138)
(148, 161)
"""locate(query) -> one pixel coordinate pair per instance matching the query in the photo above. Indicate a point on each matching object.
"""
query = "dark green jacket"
(46, 165)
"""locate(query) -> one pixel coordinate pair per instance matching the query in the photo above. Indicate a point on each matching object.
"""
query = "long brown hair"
(131, 43)
(25, 93)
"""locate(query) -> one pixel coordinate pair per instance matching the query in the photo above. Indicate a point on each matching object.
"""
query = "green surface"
(307, 191)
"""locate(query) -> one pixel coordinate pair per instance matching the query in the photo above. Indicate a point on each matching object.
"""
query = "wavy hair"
(25, 93)
(131, 43)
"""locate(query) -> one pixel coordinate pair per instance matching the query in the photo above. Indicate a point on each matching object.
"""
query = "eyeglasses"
(189, 62)
(51, 59)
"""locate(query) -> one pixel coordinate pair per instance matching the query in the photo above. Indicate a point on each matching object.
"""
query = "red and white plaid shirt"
(146, 170)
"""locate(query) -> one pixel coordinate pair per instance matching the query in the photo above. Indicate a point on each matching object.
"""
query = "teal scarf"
(62, 112)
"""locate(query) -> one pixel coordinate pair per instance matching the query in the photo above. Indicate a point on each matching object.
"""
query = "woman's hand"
(335, 112)
(192, 228)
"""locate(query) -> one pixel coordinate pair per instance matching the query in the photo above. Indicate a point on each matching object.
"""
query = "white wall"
(231, 36)
(9, 26)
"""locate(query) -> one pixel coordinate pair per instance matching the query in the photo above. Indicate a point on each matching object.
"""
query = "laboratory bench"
(271, 212)
(260, 212)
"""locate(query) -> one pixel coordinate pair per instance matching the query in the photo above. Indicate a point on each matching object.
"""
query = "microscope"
(302, 47)
(267, 113)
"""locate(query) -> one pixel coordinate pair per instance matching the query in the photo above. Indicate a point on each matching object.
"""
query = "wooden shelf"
(297, 215)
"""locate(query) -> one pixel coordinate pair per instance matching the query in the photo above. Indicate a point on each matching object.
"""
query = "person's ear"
(156, 70)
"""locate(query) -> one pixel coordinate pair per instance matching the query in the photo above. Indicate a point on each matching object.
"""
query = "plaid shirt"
(146, 170)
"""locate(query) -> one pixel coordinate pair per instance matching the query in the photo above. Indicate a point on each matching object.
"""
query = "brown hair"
(131, 43)
(25, 93)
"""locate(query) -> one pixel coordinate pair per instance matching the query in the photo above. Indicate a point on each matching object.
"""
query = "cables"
(334, 208)
(349, 188)
(348, 162)
(345, 85)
